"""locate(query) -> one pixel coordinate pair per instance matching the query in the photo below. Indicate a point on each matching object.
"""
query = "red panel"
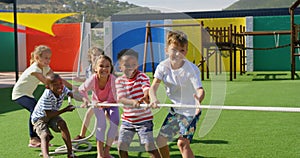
(64, 45)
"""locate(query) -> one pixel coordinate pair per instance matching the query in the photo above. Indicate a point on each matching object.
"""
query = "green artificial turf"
(221, 133)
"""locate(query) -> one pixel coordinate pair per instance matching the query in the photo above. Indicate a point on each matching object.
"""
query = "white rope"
(76, 145)
(276, 39)
(220, 107)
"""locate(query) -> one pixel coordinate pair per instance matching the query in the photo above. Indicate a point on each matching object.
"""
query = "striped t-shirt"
(134, 89)
(48, 101)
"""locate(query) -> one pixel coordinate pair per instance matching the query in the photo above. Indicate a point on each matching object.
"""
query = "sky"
(183, 5)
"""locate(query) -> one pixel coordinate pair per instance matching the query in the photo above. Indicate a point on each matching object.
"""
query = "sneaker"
(79, 137)
(37, 145)
(72, 156)
(110, 156)
(34, 142)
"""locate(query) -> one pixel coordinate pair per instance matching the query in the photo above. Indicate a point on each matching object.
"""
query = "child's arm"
(145, 98)
(50, 114)
(152, 93)
(42, 78)
(126, 101)
(76, 96)
(39, 76)
(83, 90)
(69, 85)
(199, 97)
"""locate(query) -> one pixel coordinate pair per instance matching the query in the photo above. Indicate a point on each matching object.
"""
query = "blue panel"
(132, 35)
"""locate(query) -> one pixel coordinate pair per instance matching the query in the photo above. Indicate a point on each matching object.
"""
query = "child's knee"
(45, 136)
(123, 146)
(183, 142)
(61, 124)
(161, 141)
(150, 146)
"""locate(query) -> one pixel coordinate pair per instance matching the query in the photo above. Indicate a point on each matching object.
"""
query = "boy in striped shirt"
(46, 114)
(132, 90)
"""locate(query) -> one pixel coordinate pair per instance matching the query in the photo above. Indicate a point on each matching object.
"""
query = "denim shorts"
(144, 131)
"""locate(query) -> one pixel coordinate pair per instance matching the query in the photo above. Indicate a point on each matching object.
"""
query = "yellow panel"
(41, 22)
(194, 36)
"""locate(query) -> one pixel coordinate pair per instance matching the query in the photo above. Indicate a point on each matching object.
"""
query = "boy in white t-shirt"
(183, 86)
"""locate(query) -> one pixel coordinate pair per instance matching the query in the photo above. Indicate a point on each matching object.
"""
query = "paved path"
(8, 79)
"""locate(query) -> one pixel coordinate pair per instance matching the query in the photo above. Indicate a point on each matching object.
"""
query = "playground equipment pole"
(81, 41)
(15, 35)
(16, 40)
(293, 39)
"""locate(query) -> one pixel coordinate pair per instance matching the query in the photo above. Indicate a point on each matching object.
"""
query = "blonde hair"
(38, 50)
(93, 51)
(177, 37)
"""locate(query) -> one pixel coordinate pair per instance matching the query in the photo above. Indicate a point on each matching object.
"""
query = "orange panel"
(64, 45)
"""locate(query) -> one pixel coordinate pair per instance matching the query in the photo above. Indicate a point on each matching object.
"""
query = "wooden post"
(151, 51)
(292, 45)
(233, 44)
(207, 63)
(146, 45)
(230, 53)
(220, 64)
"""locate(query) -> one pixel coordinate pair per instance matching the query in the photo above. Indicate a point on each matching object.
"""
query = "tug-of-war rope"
(219, 107)
(78, 144)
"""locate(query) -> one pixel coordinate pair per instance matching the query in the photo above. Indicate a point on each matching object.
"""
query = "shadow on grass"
(7, 105)
(212, 141)
(273, 76)
(196, 156)
(173, 146)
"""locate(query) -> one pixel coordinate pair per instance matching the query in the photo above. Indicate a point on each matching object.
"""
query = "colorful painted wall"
(194, 35)
(132, 35)
(7, 50)
(64, 45)
(274, 59)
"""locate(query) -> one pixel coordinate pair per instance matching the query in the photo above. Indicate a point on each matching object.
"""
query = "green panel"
(7, 51)
(275, 59)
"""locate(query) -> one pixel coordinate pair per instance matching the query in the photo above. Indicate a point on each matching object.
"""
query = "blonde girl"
(23, 90)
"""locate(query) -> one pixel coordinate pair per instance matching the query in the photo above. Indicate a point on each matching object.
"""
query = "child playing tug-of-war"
(183, 86)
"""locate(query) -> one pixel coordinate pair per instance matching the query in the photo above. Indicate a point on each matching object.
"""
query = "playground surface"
(8, 79)
(236, 134)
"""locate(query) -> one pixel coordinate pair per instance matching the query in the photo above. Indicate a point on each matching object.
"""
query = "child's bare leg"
(151, 149)
(108, 144)
(100, 151)
(86, 121)
(113, 116)
(123, 150)
(44, 144)
(65, 135)
(185, 148)
(162, 144)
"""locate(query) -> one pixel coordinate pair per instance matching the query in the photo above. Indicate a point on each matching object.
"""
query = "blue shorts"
(144, 130)
(175, 124)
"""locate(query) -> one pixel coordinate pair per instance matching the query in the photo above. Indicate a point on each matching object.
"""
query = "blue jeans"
(28, 103)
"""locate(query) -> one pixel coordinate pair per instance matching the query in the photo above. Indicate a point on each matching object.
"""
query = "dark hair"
(107, 58)
(50, 78)
(130, 52)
